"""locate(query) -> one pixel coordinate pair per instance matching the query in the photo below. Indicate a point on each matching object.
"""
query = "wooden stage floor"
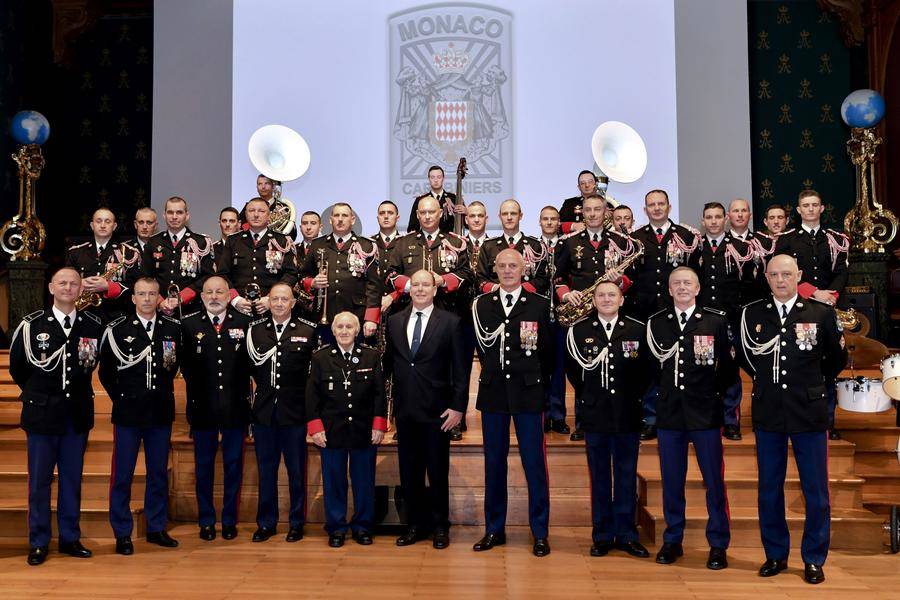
(309, 569)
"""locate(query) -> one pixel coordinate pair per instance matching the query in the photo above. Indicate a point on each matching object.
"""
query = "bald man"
(791, 347)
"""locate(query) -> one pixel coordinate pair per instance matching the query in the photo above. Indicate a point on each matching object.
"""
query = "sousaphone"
(620, 155)
(282, 155)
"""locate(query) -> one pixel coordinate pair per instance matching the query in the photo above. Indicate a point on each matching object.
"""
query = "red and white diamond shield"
(450, 121)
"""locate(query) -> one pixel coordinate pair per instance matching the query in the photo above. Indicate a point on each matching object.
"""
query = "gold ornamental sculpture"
(870, 226)
(23, 236)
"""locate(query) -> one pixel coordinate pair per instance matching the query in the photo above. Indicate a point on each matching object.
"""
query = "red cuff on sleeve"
(379, 424)
(315, 426)
(451, 280)
(372, 314)
(187, 294)
(529, 286)
(487, 288)
(806, 290)
(566, 227)
(234, 293)
(307, 284)
(625, 284)
(114, 289)
(395, 295)
(400, 283)
(562, 291)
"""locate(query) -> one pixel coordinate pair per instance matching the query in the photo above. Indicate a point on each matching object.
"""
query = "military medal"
(42, 339)
(87, 351)
(806, 334)
(528, 336)
(168, 348)
(274, 260)
(630, 348)
(704, 349)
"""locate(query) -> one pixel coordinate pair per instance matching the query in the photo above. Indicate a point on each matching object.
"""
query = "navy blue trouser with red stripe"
(530, 435)
(126, 444)
(271, 443)
(206, 444)
(673, 457)
(612, 461)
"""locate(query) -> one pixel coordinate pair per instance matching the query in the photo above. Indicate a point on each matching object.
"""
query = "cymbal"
(864, 351)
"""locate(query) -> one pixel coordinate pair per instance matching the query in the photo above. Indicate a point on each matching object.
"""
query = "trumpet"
(94, 299)
(322, 293)
(173, 291)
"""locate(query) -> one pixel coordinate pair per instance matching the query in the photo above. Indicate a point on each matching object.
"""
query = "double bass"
(461, 170)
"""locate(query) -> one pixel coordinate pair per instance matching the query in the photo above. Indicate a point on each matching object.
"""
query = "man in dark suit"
(259, 256)
(280, 348)
(517, 359)
(446, 202)
(791, 347)
(425, 355)
(823, 258)
(178, 256)
(143, 410)
(216, 373)
(610, 357)
(51, 359)
(695, 358)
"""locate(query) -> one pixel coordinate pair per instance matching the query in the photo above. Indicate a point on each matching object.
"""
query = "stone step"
(854, 528)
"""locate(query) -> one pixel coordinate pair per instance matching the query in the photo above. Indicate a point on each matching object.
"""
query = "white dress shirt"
(61, 316)
(515, 298)
(689, 311)
(516, 237)
(789, 305)
(411, 326)
(612, 326)
(144, 324)
(665, 227)
(177, 235)
(283, 324)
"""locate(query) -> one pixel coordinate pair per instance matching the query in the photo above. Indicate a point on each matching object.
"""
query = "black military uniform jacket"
(187, 265)
(141, 389)
(811, 351)
(727, 281)
(282, 370)
(534, 277)
(84, 259)
(449, 258)
(579, 264)
(271, 260)
(763, 246)
(650, 275)
(217, 248)
(345, 398)
(53, 395)
(384, 253)
(823, 260)
(274, 205)
(516, 385)
(570, 212)
(610, 393)
(353, 283)
(447, 218)
(216, 370)
(692, 381)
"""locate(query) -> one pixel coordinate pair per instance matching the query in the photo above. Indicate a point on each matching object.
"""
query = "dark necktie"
(67, 324)
(683, 318)
(347, 356)
(215, 323)
(174, 239)
(387, 240)
(509, 299)
(511, 241)
(429, 238)
(714, 244)
(255, 238)
(100, 250)
(812, 233)
(149, 326)
(783, 313)
(659, 235)
(278, 328)
(340, 243)
(608, 328)
(417, 334)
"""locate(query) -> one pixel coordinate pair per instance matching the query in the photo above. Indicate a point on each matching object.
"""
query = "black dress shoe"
(489, 541)
(577, 435)
(262, 534)
(208, 533)
(633, 548)
(124, 546)
(441, 538)
(547, 426)
(409, 538)
(717, 560)
(336, 540)
(648, 432)
(813, 573)
(732, 432)
(456, 434)
(162, 538)
(833, 434)
(295, 534)
(541, 547)
(772, 567)
(363, 538)
(601, 548)
(560, 426)
(74, 549)
(229, 532)
(37, 555)
(669, 553)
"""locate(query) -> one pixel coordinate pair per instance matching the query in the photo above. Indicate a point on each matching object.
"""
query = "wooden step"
(877, 463)
(94, 482)
(846, 492)
(854, 528)
(94, 521)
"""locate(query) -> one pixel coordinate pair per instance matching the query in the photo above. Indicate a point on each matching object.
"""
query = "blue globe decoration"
(29, 127)
(863, 108)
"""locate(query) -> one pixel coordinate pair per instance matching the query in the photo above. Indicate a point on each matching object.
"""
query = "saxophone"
(86, 299)
(571, 312)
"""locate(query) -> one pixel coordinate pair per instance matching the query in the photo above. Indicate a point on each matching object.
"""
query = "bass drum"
(862, 394)
(890, 376)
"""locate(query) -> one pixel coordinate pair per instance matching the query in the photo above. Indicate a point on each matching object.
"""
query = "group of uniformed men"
(669, 303)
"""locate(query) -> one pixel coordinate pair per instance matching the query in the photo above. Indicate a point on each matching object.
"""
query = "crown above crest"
(450, 60)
